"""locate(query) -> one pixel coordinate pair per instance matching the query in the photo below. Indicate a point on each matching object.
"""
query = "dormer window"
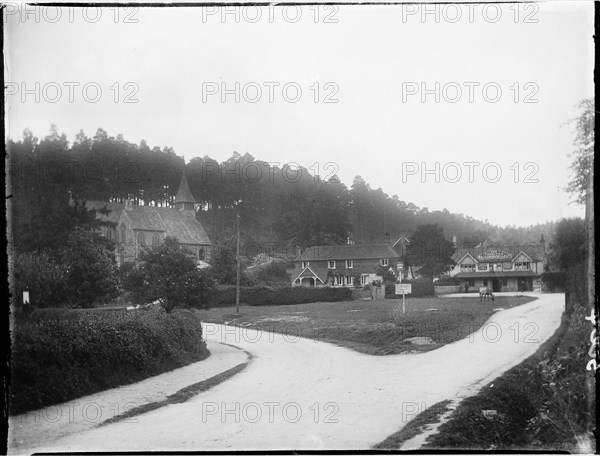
(383, 262)
(349, 264)
(522, 266)
(305, 264)
(331, 264)
(467, 268)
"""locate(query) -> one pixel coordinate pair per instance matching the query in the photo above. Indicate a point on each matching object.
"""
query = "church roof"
(184, 195)
(186, 229)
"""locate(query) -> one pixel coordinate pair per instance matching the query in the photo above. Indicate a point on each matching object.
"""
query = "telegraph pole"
(237, 256)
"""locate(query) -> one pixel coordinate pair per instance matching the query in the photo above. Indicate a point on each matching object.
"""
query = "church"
(134, 227)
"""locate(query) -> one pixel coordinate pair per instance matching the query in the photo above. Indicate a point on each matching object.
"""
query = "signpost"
(403, 289)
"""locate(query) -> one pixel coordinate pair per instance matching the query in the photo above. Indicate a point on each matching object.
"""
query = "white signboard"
(403, 288)
(25, 297)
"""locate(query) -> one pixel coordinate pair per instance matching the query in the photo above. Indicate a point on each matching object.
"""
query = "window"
(110, 234)
(485, 282)
(331, 264)
(504, 282)
(155, 239)
(467, 268)
(349, 264)
(123, 234)
(201, 254)
(305, 264)
(349, 280)
(523, 266)
(383, 262)
(141, 239)
(339, 280)
(364, 278)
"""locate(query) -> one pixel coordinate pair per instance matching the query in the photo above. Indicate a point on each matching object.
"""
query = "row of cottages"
(503, 268)
(343, 265)
(134, 227)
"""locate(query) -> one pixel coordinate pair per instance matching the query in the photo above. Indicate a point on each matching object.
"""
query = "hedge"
(267, 296)
(61, 355)
(420, 288)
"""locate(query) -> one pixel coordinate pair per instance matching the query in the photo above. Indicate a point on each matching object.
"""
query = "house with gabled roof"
(133, 227)
(501, 267)
(343, 265)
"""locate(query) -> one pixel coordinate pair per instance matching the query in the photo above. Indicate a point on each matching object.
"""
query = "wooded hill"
(276, 205)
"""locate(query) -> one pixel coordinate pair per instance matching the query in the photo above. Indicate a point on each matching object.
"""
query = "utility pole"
(237, 256)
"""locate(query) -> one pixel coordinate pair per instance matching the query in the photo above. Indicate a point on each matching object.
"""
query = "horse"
(485, 294)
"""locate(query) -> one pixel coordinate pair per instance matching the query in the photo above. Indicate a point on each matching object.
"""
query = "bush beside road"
(59, 354)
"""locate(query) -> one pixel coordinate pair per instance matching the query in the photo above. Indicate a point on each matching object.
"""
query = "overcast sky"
(373, 60)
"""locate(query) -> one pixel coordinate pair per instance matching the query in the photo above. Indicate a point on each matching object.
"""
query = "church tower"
(184, 200)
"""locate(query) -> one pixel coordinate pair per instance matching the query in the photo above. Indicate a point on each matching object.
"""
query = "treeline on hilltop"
(277, 204)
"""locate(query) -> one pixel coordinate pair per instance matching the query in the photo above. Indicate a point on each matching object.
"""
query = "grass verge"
(372, 327)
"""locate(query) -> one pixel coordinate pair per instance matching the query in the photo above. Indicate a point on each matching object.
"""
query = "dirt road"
(305, 394)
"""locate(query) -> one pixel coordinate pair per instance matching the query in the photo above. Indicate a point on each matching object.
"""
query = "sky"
(447, 106)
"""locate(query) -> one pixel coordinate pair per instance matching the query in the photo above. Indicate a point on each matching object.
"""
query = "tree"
(568, 247)
(224, 264)
(429, 249)
(168, 273)
(583, 153)
(91, 269)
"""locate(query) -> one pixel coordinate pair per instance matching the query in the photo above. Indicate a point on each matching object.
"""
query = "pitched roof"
(113, 208)
(484, 275)
(310, 271)
(186, 229)
(347, 252)
(184, 195)
(495, 252)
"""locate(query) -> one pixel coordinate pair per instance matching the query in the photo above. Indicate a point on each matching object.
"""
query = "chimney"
(387, 238)
(128, 204)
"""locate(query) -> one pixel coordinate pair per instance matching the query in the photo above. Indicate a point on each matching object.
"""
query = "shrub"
(267, 296)
(168, 273)
(39, 274)
(60, 355)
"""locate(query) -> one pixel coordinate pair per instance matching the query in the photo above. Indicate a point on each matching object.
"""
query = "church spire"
(184, 200)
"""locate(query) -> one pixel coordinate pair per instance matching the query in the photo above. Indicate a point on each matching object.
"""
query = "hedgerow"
(58, 356)
(267, 296)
